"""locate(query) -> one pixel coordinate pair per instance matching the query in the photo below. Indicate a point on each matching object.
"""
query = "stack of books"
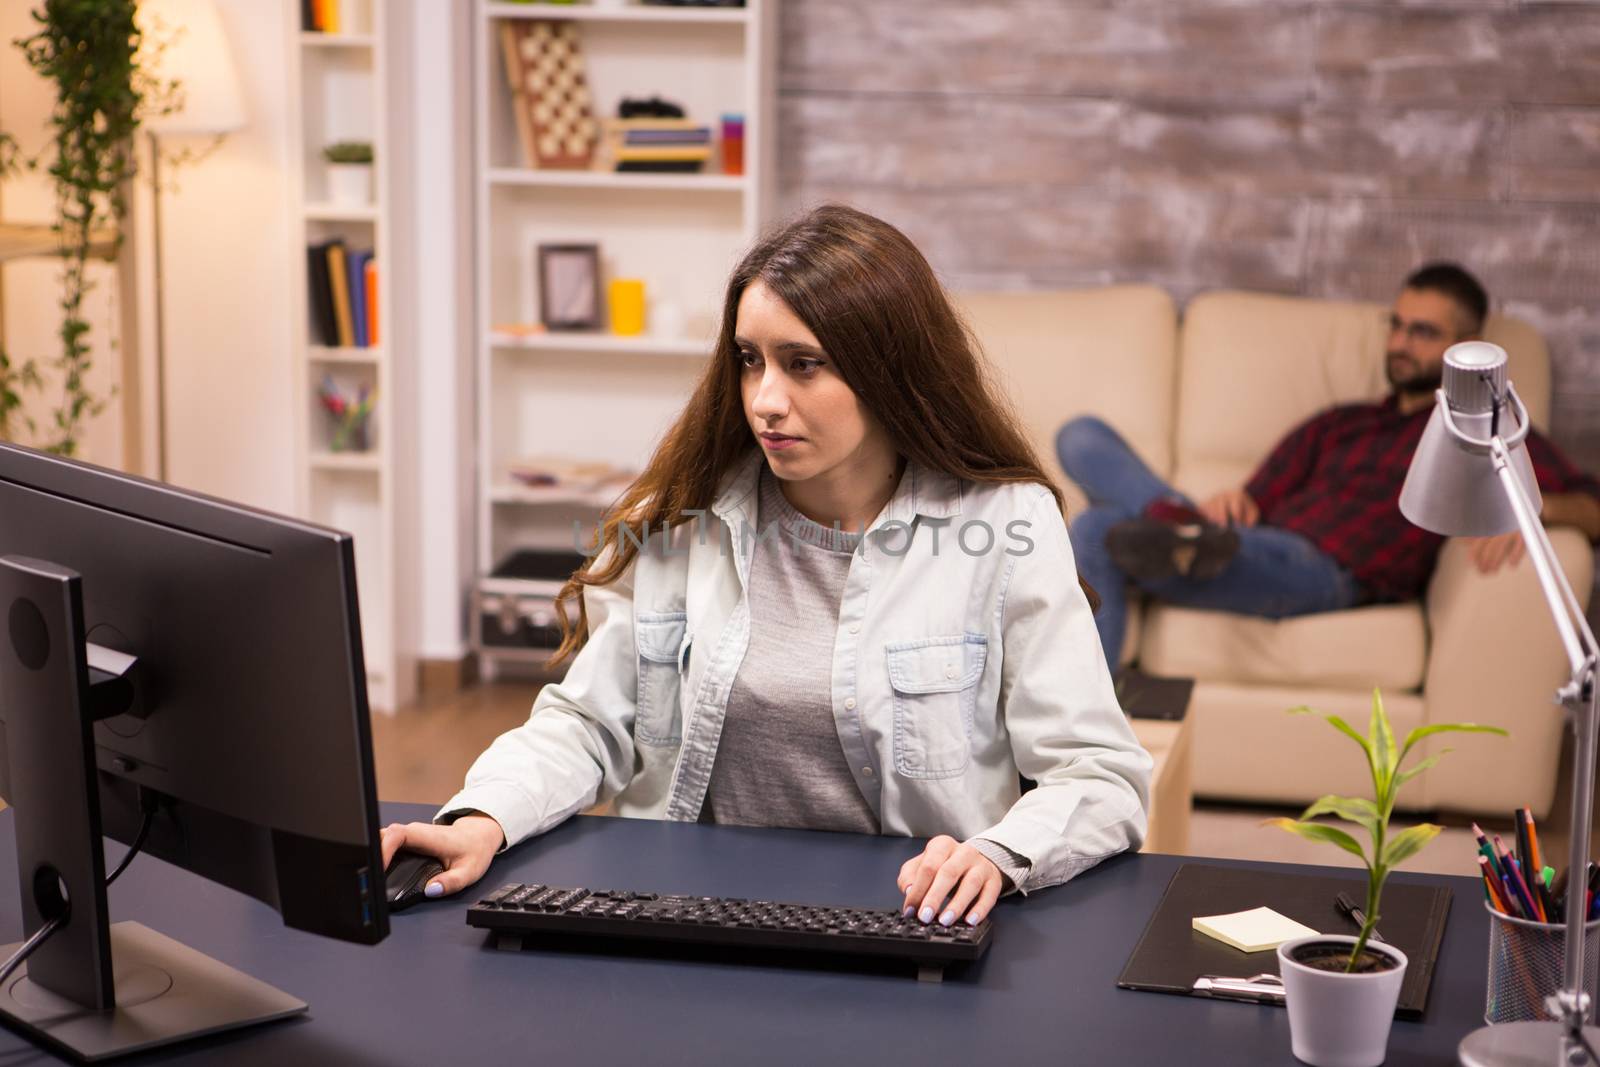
(659, 144)
(344, 295)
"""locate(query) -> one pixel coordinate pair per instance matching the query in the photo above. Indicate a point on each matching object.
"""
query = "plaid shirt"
(1335, 480)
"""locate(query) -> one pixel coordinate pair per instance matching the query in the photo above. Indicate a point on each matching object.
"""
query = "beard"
(1408, 376)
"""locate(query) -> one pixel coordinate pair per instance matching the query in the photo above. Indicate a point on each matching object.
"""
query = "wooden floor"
(422, 754)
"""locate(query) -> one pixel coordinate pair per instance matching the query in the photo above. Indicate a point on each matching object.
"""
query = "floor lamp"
(1471, 476)
(184, 43)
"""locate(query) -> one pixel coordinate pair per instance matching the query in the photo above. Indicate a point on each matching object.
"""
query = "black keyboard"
(615, 915)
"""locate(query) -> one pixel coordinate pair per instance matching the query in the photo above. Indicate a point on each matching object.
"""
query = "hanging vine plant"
(89, 50)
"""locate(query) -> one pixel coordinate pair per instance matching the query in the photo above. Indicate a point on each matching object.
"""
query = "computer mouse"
(408, 876)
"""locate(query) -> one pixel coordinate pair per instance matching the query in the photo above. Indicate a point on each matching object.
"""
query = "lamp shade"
(1452, 487)
(183, 42)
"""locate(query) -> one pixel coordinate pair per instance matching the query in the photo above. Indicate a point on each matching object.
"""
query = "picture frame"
(569, 286)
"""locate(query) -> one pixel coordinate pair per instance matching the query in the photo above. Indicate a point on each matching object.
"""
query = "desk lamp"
(1471, 477)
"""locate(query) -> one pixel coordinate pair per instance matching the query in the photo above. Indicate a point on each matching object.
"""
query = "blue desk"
(434, 994)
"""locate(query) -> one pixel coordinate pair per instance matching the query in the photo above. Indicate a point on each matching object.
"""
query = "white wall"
(226, 236)
(441, 155)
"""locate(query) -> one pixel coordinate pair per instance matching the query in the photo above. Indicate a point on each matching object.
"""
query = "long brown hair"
(882, 317)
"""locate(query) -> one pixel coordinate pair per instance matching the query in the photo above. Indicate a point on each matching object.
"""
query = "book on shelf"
(659, 166)
(358, 297)
(339, 282)
(370, 292)
(663, 153)
(324, 326)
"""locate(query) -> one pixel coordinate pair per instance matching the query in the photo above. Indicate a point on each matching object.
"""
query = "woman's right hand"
(465, 847)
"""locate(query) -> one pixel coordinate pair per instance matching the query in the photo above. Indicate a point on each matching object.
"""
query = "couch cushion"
(1248, 747)
(1108, 351)
(1383, 645)
(1252, 366)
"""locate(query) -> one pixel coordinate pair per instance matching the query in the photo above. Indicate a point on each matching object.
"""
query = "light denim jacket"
(957, 664)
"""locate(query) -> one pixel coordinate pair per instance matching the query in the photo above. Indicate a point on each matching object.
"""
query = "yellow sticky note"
(1256, 930)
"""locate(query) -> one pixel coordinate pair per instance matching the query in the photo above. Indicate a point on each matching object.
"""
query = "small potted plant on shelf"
(1341, 991)
(349, 172)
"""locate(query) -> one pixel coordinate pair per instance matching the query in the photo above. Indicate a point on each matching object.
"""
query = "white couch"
(1202, 401)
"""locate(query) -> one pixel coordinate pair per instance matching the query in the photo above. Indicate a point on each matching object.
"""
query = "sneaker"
(1171, 538)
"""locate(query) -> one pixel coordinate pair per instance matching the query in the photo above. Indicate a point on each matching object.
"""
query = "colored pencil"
(1533, 865)
(1509, 895)
(1524, 894)
(1533, 841)
(1489, 889)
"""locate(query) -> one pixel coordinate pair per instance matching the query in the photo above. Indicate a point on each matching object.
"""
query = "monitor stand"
(93, 989)
(163, 992)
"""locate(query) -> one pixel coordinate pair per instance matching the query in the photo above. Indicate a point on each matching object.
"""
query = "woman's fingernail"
(434, 890)
(973, 918)
(906, 912)
(947, 918)
(926, 915)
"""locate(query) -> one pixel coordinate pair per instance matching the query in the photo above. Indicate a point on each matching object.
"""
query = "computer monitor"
(169, 654)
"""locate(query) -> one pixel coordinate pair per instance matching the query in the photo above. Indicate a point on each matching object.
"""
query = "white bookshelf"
(595, 396)
(345, 83)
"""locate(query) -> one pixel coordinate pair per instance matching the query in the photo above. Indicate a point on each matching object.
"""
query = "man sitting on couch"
(1318, 526)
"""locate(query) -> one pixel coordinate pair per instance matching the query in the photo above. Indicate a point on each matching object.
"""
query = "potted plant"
(1341, 991)
(349, 171)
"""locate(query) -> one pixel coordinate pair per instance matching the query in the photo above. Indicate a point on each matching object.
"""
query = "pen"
(1258, 989)
(1348, 907)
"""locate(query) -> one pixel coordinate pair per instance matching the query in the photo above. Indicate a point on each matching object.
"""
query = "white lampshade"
(1452, 487)
(184, 42)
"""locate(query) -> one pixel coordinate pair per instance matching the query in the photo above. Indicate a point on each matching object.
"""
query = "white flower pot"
(1338, 1019)
(350, 183)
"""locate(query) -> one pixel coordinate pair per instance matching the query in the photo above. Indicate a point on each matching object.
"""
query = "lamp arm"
(1578, 696)
(1576, 637)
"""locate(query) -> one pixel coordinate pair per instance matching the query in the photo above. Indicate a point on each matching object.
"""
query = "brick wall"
(1319, 147)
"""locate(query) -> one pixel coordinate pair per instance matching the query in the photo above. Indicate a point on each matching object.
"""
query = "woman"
(747, 659)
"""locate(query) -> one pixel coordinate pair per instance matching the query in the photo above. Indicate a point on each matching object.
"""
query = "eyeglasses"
(1415, 330)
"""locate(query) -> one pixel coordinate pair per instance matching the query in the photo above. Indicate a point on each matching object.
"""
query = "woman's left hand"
(949, 869)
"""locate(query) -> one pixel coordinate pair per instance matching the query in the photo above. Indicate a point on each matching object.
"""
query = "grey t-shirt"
(779, 762)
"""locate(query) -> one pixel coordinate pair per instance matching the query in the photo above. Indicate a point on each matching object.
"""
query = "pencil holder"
(1527, 962)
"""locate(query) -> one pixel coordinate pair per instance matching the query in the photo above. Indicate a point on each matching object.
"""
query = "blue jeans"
(1275, 574)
